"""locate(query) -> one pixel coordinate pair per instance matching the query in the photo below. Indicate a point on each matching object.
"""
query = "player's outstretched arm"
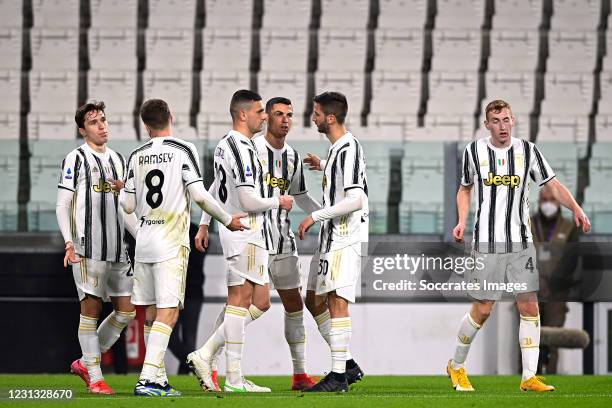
(307, 203)
(314, 162)
(62, 211)
(208, 203)
(352, 201)
(565, 197)
(250, 201)
(464, 196)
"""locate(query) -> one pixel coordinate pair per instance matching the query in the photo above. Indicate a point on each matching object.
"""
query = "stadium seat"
(56, 13)
(345, 13)
(45, 169)
(445, 127)
(121, 127)
(514, 50)
(116, 88)
(10, 47)
(571, 51)
(378, 156)
(396, 93)
(227, 48)
(568, 94)
(605, 86)
(402, 14)
(170, 49)
(10, 89)
(53, 91)
(399, 50)
(220, 12)
(181, 127)
(214, 126)
(518, 14)
(112, 49)
(172, 86)
(173, 14)
(390, 127)
(55, 48)
(291, 14)
(576, 14)
(217, 89)
(11, 14)
(603, 128)
(51, 126)
(564, 128)
(110, 14)
(460, 14)
(9, 164)
(291, 85)
(452, 93)
(284, 50)
(9, 126)
(597, 200)
(342, 50)
(518, 88)
(349, 83)
(422, 172)
(456, 50)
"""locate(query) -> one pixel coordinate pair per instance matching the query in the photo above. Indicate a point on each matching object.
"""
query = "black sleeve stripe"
(546, 181)
(236, 153)
(61, 176)
(466, 168)
(542, 167)
(122, 161)
(185, 148)
(77, 167)
(357, 164)
(138, 149)
(194, 181)
(351, 187)
(64, 187)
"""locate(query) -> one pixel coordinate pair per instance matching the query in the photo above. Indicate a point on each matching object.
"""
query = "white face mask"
(549, 209)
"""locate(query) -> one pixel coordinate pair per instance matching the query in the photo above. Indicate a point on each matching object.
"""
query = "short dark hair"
(155, 113)
(333, 103)
(82, 111)
(240, 99)
(277, 99)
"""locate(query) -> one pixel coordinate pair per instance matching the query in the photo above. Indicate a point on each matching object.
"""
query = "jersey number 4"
(154, 193)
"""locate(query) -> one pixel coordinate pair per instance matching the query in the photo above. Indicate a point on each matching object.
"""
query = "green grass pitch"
(373, 391)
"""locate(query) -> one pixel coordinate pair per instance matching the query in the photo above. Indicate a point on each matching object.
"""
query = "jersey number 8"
(154, 189)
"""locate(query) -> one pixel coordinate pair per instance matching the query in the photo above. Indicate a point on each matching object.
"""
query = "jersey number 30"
(154, 193)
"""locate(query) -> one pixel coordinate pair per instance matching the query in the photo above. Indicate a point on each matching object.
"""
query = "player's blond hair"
(497, 106)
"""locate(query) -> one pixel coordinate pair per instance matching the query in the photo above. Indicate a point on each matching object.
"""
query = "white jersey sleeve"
(467, 169)
(541, 172)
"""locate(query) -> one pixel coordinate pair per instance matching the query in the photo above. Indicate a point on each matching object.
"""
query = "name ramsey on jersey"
(158, 173)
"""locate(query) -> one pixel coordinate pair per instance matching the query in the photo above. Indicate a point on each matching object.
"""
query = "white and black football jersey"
(96, 218)
(283, 174)
(158, 174)
(345, 169)
(501, 178)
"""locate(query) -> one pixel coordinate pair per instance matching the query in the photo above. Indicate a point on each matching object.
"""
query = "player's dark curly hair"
(82, 111)
(333, 103)
(155, 113)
